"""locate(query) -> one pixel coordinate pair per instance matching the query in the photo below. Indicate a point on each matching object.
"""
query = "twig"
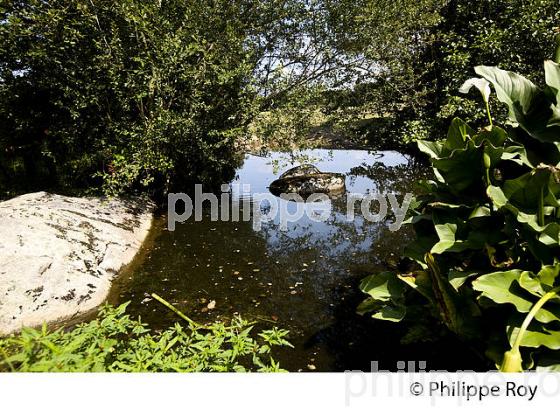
(175, 310)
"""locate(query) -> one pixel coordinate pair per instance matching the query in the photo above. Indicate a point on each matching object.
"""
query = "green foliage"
(128, 94)
(287, 127)
(536, 111)
(515, 34)
(522, 336)
(488, 226)
(423, 47)
(114, 342)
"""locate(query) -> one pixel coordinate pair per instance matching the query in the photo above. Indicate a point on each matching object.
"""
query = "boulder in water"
(306, 180)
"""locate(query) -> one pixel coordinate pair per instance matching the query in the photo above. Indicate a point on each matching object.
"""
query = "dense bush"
(517, 35)
(135, 94)
(422, 49)
(114, 342)
(122, 94)
(488, 229)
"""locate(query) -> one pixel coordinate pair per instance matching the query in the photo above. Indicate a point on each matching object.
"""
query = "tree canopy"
(144, 95)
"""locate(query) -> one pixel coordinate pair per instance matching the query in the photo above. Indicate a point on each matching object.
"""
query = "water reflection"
(303, 279)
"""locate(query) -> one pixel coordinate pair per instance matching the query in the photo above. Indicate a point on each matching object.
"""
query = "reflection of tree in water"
(347, 252)
(303, 277)
(346, 241)
(337, 244)
(344, 252)
(398, 179)
(341, 250)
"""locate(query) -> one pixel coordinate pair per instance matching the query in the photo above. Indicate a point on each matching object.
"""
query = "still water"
(303, 279)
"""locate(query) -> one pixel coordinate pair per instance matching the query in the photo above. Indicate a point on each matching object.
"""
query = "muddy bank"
(59, 255)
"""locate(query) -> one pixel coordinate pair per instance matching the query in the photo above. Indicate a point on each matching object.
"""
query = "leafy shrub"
(288, 125)
(488, 229)
(516, 34)
(114, 342)
(128, 94)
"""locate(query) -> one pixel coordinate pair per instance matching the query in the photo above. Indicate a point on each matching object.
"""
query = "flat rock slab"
(58, 255)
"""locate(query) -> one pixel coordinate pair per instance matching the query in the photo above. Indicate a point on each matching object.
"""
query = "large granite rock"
(58, 254)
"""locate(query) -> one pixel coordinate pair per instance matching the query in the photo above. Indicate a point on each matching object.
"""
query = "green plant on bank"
(488, 230)
(114, 342)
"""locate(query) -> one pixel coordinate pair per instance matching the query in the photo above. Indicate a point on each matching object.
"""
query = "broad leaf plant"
(488, 229)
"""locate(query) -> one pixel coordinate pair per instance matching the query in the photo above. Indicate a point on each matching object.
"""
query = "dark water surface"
(304, 279)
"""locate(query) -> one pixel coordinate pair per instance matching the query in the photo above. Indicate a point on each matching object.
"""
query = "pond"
(304, 279)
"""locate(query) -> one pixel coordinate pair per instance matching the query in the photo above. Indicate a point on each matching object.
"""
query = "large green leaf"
(456, 236)
(524, 192)
(432, 148)
(529, 196)
(541, 283)
(494, 135)
(390, 312)
(505, 288)
(368, 305)
(528, 105)
(536, 335)
(511, 88)
(480, 212)
(457, 136)
(448, 241)
(552, 78)
(498, 287)
(543, 122)
(446, 234)
(548, 274)
(384, 286)
(517, 154)
(462, 169)
(458, 278)
(550, 235)
(386, 291)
